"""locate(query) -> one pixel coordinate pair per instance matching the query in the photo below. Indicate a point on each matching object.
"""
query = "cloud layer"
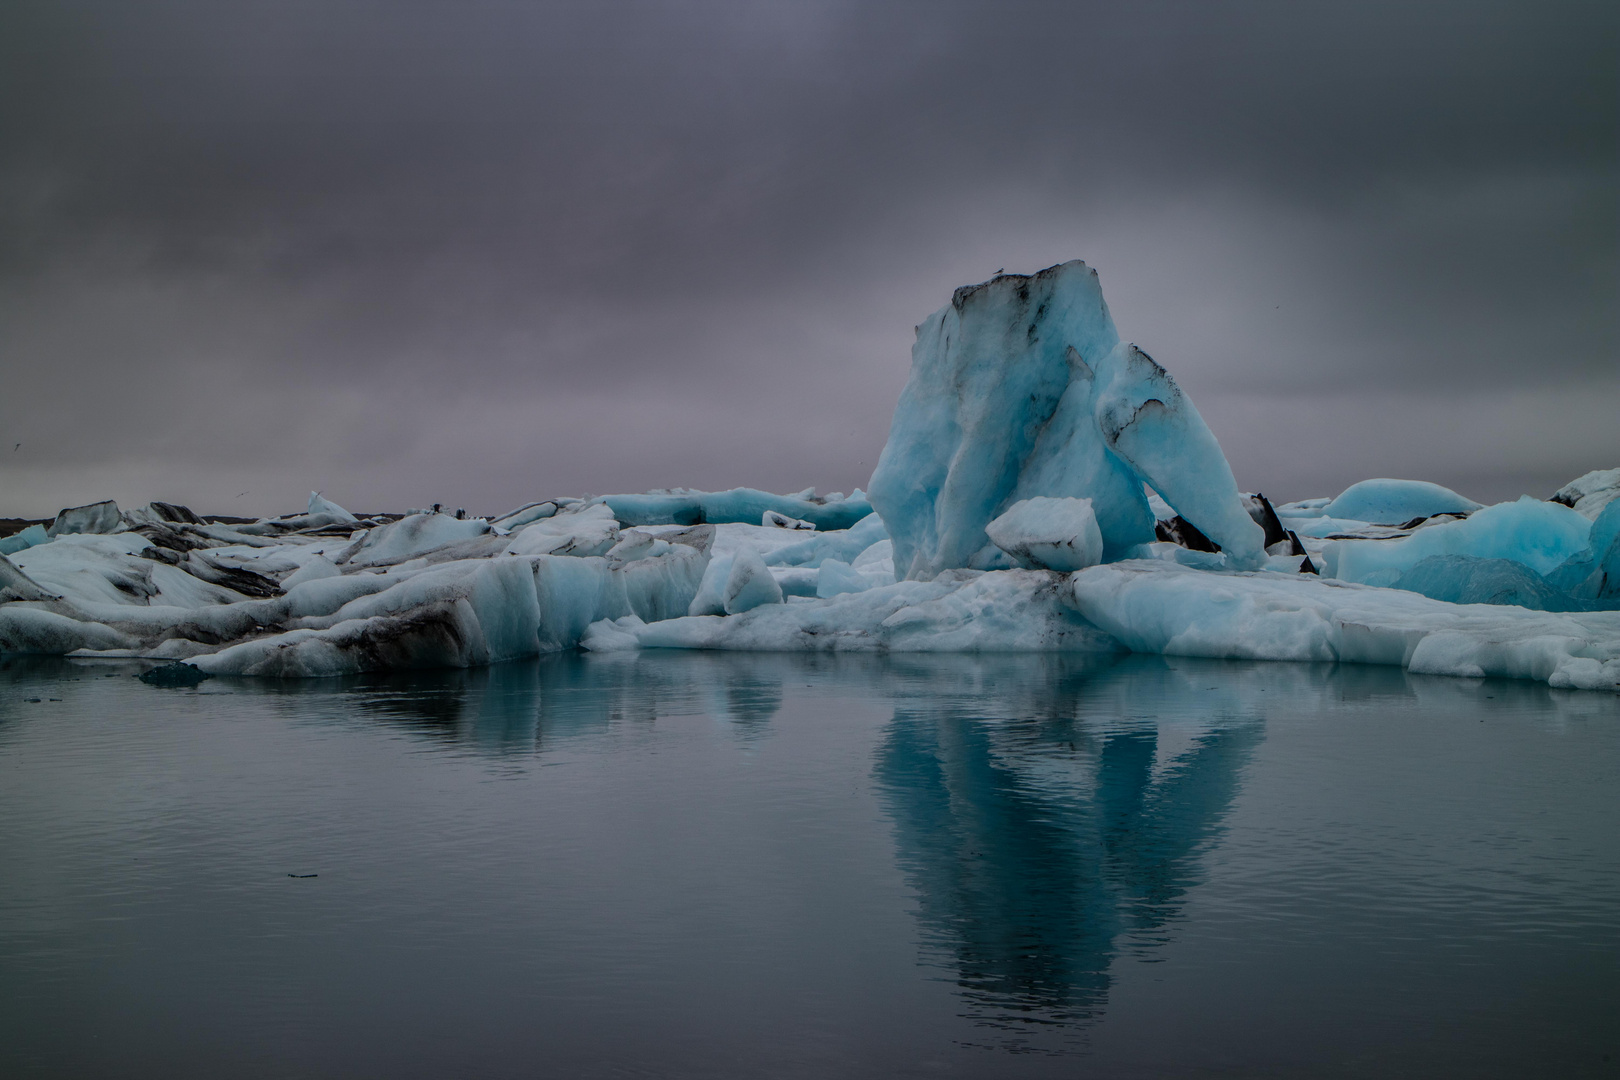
(477, 253)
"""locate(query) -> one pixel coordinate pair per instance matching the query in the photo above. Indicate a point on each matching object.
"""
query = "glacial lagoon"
(688, 864)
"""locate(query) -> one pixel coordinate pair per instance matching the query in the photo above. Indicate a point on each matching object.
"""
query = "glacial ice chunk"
(1536, 534)
(1020, 388)
(27, 538)
(774, 520)
(1049, 534)
(748, 584)
(1589, 494)
(836, 578)
(587, 530)
(1465, 579)
(101, 517)
(410, 537)
(321, 507)
(843, 545)
(1395, 502)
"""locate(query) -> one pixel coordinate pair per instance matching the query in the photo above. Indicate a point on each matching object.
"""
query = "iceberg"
(1392, 502)
(1538, 535)
(1020, 387)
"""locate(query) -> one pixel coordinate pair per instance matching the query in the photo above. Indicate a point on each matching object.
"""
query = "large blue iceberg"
(1019, 388)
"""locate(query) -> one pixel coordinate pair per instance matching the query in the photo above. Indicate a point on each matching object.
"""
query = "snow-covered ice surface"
(1045, 487)
(1161, 607)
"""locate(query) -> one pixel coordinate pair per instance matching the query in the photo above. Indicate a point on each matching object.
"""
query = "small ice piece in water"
(1395, 502)
(612, 635)
(749, 584)
(1049, 534)
(772, 519)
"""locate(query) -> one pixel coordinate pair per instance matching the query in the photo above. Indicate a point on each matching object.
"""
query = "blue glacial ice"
(1539, 535)
(1394, 502)
(1020, 387)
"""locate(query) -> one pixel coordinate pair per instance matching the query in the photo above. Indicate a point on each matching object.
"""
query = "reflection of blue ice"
(1041, 844)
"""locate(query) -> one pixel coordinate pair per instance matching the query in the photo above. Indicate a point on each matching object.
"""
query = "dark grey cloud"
(481, 252)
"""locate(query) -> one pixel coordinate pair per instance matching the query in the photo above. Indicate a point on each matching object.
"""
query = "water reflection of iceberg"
(1044, 831)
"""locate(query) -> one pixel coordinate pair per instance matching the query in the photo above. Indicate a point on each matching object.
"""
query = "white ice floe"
(1159, 607)
(960, 610)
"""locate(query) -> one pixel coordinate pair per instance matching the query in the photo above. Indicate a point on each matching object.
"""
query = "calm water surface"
(702, 865)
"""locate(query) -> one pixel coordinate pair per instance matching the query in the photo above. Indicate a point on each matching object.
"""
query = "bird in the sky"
(14, 449)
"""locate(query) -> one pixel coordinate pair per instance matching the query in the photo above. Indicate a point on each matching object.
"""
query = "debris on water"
(175, 674)
(303, 875)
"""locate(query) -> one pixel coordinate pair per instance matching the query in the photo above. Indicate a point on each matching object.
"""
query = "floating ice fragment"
(1049, 534)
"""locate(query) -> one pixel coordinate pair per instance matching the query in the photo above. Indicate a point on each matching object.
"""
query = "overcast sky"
(480, 253)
